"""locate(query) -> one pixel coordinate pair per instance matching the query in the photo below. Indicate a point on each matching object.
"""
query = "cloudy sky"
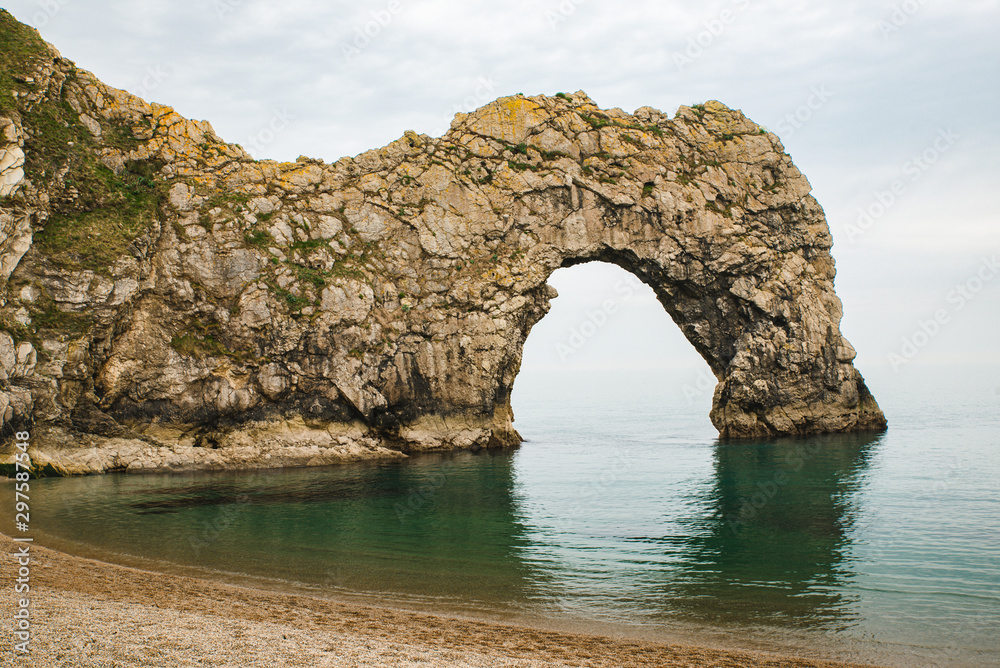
(889, 107)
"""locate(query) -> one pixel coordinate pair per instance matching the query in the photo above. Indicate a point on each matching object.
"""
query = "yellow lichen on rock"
(509, 119)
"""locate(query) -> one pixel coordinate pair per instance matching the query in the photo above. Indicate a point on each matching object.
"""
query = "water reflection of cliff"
(774, 549)
(762, 536)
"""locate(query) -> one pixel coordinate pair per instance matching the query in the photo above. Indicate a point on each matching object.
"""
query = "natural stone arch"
(748, 328)
(262, 313)
(751, 286)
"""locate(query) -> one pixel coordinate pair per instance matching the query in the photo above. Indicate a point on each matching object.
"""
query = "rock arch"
(744, 271)
(265, 313)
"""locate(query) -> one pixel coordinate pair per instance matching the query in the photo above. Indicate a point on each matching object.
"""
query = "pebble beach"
(92, 613)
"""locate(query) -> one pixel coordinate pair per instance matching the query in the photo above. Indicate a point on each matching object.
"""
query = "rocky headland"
(167, 302)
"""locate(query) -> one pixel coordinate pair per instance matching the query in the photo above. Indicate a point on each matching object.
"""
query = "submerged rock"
(169, 302)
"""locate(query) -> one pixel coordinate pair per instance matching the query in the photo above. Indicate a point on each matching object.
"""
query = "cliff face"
(167, 301)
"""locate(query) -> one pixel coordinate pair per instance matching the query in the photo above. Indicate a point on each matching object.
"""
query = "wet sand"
(92, 613)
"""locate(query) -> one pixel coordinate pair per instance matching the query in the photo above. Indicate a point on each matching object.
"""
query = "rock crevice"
(169, 302)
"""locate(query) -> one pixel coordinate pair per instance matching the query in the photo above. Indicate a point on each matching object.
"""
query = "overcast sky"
(887, 107)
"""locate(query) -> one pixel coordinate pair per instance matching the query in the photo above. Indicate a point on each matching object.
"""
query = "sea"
(621, 513)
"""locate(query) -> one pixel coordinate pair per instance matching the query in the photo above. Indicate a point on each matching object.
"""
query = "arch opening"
(608, 341)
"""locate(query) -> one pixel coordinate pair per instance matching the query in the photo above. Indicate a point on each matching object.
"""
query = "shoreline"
(88, 612)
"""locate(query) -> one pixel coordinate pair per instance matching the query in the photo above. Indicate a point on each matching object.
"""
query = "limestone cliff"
(167, 301)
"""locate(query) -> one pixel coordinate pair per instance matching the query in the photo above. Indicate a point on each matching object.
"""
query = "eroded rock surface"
(169, 302)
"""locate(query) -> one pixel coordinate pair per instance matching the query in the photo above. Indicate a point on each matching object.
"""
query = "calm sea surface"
(621, 512)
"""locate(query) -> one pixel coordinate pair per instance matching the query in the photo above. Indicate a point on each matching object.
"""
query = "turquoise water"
(620, 512)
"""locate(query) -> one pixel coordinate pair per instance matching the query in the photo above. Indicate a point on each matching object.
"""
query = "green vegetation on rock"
(96, 213)
(112, 210)
(203, 340)
(20, 50)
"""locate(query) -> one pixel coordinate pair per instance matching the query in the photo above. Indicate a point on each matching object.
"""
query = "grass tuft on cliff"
(96, 213)
(21, 48)
(108, 212)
